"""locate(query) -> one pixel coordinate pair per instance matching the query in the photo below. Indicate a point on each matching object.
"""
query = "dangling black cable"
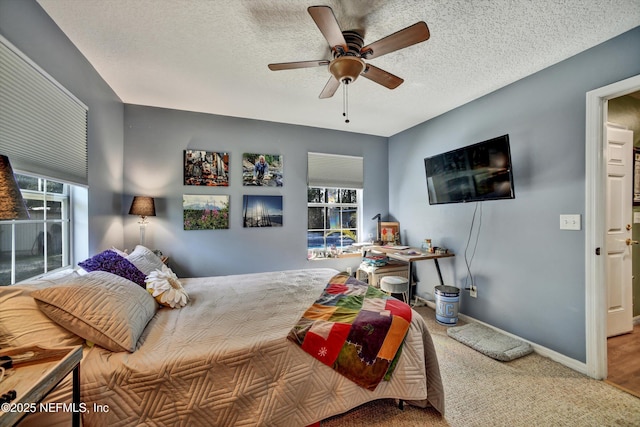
(466, 259)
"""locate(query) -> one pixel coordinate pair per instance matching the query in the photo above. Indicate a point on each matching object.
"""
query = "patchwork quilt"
(354, 328)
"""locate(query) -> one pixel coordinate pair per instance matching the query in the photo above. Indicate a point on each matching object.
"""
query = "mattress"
(225, 360)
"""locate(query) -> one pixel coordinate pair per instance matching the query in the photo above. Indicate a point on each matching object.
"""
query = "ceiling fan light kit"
(349, 54)
(346, 68)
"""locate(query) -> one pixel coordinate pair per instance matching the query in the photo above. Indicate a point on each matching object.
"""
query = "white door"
(619, 152)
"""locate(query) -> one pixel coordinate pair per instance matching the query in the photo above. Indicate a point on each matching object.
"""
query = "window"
(334, 203)
(40, 244)
(333, 219)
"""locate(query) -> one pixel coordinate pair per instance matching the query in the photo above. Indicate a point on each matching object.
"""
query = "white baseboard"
(576, 365)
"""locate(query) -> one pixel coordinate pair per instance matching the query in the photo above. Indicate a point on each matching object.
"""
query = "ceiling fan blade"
(330, 88)
(382, 77)
(328, 24)
(299, 64)
(416, 33)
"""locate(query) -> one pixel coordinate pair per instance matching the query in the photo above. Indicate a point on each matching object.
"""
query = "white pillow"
(101, 307)
(145, 260)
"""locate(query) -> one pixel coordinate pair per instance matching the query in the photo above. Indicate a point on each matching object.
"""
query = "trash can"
(447, 301)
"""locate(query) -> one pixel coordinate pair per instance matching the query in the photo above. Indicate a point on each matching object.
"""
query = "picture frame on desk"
(390, 233)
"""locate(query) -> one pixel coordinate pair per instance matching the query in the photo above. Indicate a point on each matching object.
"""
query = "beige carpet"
(480, 391)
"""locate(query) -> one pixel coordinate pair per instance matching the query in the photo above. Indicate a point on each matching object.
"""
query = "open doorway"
(623, 341)
(595, 210)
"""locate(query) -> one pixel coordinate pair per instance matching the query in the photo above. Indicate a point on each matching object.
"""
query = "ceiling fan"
(349, 54)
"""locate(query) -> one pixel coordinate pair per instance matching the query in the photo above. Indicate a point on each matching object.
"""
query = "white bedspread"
(224, 360)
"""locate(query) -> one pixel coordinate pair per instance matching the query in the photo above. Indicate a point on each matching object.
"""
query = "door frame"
(595, 269)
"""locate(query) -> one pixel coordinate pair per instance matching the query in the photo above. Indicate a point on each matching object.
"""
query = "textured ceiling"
(211, 56)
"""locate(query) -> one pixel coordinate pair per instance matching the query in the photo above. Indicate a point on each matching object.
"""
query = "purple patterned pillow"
(111, 262)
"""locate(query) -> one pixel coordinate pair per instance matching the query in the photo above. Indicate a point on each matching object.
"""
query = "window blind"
(333, 170)
(43, 128)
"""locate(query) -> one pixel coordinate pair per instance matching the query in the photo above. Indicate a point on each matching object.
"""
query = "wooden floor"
(623, 356)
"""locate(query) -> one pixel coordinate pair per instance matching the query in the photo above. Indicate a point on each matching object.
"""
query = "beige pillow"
(101, 307)
(145, 260)
(23, 324)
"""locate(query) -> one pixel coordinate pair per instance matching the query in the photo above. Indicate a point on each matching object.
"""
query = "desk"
(411, 255)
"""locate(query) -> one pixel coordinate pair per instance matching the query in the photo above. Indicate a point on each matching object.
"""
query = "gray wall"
(529, 274)
(30, 29)
(155, 139)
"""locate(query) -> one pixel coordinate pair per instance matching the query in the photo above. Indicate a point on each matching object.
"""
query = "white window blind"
(43, 128)
(336, 171)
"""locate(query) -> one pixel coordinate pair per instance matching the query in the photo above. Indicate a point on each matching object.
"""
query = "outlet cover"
(570, 222)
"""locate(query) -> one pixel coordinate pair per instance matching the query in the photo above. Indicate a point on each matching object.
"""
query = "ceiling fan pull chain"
(345, 100)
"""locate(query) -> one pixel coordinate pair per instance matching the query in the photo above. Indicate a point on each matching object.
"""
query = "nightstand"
(35, 375)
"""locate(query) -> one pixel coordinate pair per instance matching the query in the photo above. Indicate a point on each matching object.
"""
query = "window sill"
(347, 255)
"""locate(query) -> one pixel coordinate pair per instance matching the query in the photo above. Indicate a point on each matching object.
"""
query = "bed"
(224, 359)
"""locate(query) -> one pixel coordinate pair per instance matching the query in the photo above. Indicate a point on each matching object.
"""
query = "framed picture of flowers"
(205, 212)
(206, 168)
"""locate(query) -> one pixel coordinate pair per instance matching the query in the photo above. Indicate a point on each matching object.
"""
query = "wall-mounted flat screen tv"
(474, 173)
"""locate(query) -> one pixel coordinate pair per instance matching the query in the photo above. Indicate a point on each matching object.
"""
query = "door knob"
(630, 242)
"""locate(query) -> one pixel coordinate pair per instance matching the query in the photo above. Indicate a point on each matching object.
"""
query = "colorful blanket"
(354, 328)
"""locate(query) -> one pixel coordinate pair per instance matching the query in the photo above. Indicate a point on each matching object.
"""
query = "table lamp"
(144, 207)
(12, 205)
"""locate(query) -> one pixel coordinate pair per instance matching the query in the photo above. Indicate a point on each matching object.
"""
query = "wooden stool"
(396, 285)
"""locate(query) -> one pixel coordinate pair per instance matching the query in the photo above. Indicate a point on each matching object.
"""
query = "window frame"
(326, 250)
(65, 220)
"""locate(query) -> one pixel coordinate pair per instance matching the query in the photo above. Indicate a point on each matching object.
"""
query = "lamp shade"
(143, 206)
(12, 205)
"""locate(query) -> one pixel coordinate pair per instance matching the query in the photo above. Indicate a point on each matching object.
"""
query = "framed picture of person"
(262, 170)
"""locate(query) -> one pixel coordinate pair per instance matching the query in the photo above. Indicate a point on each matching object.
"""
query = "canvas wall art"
(262, 211)
(262, 170)
(206, 168)
(205, 212)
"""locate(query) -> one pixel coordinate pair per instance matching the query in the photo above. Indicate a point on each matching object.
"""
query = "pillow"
(23, 324)
(165, 287)
(122, 253)
(100, 307)
(145, 260)
(111, 262)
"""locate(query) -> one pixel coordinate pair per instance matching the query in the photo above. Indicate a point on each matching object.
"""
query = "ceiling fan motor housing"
(347, 66)
(354, 40)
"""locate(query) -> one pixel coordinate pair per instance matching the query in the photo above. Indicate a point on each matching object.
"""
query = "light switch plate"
(570, 222)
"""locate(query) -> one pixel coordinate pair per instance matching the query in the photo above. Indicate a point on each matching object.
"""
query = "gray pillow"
(101, 307)
(145, 260)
